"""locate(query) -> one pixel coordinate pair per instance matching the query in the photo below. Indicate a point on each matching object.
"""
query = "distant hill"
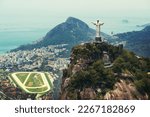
(144, 25)
(72, 32)
(137, 41)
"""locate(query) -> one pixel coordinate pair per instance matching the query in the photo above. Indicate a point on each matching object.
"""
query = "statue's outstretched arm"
(93, 23)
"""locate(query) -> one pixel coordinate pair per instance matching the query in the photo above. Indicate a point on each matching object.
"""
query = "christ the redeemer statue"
(98, 24)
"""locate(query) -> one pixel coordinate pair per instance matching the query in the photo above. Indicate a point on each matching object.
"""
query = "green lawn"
(40, 79)
(32, 75)
(49, 81)
(16, 82)
(1, 70)
(22, 76)
(35, 80)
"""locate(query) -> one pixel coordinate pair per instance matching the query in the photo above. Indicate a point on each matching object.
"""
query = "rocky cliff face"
(126, 90)
(89, 77)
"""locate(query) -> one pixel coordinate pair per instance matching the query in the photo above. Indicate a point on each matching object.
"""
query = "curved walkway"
(108, 66)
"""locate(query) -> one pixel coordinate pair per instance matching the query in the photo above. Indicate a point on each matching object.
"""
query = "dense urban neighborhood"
(47, 59)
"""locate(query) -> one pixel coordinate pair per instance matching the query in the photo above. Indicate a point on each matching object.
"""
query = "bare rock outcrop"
(124, 90)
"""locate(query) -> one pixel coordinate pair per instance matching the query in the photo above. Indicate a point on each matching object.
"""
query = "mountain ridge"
(137, 41)
(72, 32)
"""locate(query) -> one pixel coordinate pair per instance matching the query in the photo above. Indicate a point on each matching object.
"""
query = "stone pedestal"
(98, 39)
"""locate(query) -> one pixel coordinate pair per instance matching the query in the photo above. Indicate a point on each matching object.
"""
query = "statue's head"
(97, 21)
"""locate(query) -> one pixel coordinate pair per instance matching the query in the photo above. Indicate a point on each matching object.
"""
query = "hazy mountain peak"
(72, 32)
(77, 22)
(73, 20)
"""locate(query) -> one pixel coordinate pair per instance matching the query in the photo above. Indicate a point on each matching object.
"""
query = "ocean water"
(13, 38)
(15, 34)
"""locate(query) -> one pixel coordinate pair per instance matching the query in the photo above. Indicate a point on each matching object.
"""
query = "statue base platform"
(98, 39)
